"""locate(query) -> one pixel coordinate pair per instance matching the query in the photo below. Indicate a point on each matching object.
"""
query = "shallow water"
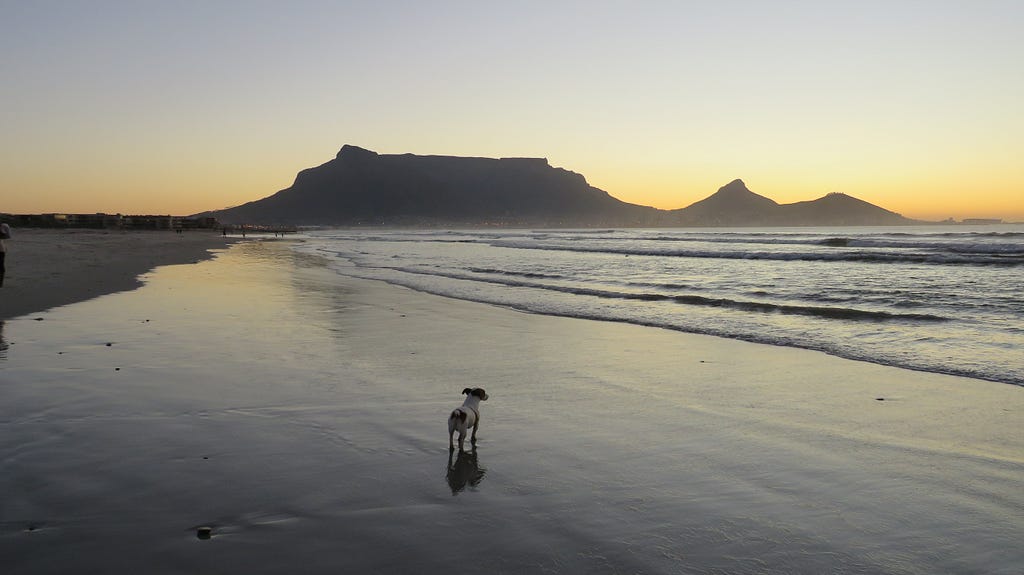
(301, 417)
(944, 299)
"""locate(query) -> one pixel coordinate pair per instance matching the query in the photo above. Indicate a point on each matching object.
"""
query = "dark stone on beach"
(879, 399)
(204, 532)
(117, 369)
(109, 344)
(39, 319)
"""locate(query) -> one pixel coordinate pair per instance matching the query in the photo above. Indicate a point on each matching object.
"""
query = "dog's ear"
(479, 392)
(467, 391)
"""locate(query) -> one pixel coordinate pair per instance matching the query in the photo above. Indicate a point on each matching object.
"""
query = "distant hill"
(732, 205)
(837, 209)
(735, 205)
(361, 187)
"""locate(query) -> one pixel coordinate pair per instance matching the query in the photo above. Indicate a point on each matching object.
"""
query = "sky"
(180, 107)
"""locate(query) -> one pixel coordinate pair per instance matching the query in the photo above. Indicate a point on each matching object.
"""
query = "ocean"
(943, 299)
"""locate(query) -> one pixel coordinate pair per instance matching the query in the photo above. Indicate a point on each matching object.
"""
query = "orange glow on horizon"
(928, 202)
(212, 191)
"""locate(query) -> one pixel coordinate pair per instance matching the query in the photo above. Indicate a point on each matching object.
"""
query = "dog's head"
(476, 392)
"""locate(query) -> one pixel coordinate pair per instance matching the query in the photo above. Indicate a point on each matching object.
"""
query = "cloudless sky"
(179, 107)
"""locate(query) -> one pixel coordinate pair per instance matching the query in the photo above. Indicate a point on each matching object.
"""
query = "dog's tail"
(458, 414)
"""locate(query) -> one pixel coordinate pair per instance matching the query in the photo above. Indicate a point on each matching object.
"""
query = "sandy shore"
(298, 419)
(49, 268)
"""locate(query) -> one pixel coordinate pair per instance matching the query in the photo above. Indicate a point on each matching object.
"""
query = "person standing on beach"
(5, 233)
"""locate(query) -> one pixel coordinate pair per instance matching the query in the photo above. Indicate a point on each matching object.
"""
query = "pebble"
(204, 532)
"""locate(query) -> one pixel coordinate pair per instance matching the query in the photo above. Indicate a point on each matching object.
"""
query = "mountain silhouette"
(735, 205)
(732, 205)
(838, 209)
(361, 187)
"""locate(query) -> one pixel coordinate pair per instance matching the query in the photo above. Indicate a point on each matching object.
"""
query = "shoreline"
(53, 268)
(49, 268)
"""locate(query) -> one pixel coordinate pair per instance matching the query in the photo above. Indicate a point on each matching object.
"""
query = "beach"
(50, 268)
(257, 412)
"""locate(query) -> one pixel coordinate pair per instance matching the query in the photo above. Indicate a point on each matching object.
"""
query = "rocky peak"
(349, 152)
(734, 187)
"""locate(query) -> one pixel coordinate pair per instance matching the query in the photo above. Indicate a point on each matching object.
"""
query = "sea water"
(944, 299)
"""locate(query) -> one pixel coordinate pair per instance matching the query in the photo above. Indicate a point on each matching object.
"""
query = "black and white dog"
(462, 418)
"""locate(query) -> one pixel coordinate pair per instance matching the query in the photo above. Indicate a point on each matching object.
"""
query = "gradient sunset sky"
(180, 107)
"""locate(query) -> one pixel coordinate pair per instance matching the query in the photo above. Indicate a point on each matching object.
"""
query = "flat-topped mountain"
(361, 187)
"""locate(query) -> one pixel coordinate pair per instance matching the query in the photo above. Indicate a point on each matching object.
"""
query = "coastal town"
(102, 221)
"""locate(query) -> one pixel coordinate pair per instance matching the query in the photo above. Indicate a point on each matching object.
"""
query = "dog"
(462, 418)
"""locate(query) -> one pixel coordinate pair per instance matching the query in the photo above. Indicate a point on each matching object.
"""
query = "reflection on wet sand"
(3, 343)
(465, 471)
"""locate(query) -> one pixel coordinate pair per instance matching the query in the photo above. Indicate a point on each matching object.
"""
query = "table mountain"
(360, 187)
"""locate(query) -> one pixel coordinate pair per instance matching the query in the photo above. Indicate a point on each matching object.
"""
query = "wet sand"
(298, 419)
(50, 268)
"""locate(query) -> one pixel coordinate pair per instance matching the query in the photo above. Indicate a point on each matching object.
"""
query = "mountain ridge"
(363, 187)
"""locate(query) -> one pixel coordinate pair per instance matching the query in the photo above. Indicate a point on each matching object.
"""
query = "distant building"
(148, 222)
(109, 221)
(209, 223)
(981, 221)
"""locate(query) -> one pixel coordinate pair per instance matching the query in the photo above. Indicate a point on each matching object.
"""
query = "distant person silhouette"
(3, 344)
(5, 234)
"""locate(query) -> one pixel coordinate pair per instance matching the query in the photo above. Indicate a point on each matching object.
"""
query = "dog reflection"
(465, 471)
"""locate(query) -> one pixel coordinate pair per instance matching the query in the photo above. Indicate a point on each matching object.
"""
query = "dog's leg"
(451, 433)
(462, 437)
(476, 425)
